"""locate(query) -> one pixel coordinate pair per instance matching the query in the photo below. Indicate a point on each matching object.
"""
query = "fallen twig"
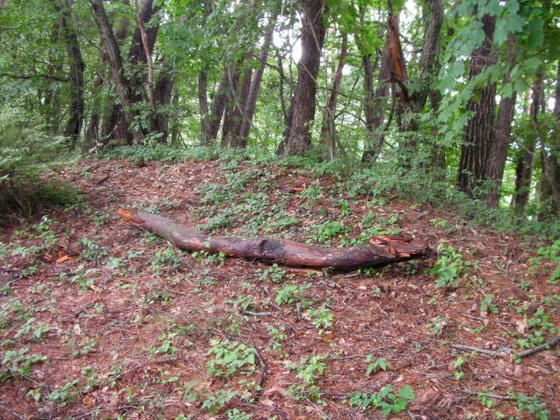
(5, 408)
(251, 313)
(486, 394)
(478, 350)
(542, 347)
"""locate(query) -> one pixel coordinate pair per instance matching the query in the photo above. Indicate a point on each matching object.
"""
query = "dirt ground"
(100, 320)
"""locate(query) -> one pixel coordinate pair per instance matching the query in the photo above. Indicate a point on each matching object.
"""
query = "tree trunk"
(147, 48)
(312, 39)
(550, 194)
(379, 251)
(239, 106)
(328, 131)
(114, 58)
(143, 41)
(256, 83)
(163, 94)
(203, 107)
(76, 71)
(92, 131)
(524, 168)
(234, 74)
(373, 101)
(479, 132)
(218, 108)
(497, 154)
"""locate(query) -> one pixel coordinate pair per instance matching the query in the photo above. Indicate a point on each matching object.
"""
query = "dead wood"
(546, 346)
(379, 251)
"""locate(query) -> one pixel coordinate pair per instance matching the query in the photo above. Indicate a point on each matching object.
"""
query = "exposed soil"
(125, 322)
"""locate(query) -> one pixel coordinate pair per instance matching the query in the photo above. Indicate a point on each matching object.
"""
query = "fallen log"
(379, 251)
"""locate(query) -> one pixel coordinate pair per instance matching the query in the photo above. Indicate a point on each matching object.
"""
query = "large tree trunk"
(312, 39)
(379, 251)
(240, 104)
(524, 167)
(550, 191)
(143, 41)
(163, 94)
(328, 131)
(497, 154)
(234, 74)
(218, 108)
(479, 132)
(256, 83)
(114, 58)
(76, 71)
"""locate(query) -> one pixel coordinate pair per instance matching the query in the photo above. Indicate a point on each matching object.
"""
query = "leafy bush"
(27, 151)
(449, 267)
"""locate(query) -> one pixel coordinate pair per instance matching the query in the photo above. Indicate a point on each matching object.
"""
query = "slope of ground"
(98, 320)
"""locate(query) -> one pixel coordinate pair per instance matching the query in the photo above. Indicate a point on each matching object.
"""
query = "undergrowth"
(27, 152)
(379, 180)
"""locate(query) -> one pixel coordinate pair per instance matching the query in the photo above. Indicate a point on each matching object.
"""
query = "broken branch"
(379, 251)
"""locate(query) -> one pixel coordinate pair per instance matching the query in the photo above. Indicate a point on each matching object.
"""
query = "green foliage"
(32, 329)
(551, 253)
(377, 365)
(27, 151)
(540, 328)
(532, 405)
(230, 357)
(290, 294)
(308, 370)
(449, 267)
(218, 400)
(275, 273)
(321, 318)
(329, 230)
(386, 400)
(161, 152)
(18, 362)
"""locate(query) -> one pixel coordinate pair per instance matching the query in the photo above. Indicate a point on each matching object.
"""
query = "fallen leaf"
(88, 400)
(521, 325)
(62, 259)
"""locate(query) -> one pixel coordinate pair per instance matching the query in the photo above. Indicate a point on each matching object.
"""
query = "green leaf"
(407, 392)
(507, 91)
(500, 34)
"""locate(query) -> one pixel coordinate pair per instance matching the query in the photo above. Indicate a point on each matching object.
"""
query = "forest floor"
(100, 320)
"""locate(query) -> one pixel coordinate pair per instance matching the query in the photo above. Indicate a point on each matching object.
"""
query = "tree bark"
(218, 108)
(163, 95)
(202, 90)
(76, 71)
(234, 74)
(551, 182)
(524, 167)
(312, 39)
(479, 133)
(328, 131)
(497, 153)
(379, 251)
(114, 58)
(373, 100)
(256, 83)
(239, 105)
(141, 50)
(147, 48)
